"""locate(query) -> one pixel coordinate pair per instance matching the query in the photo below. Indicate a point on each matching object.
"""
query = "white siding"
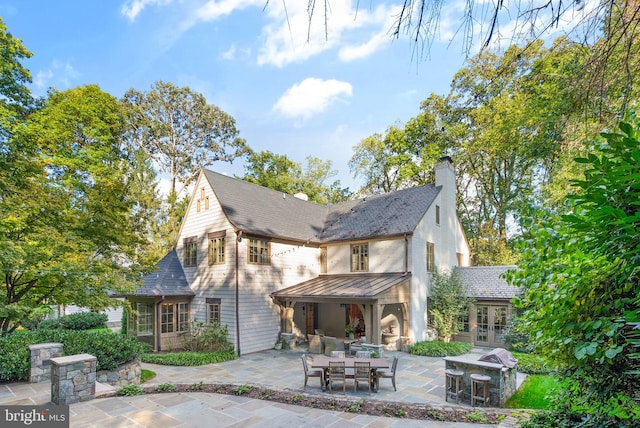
(259, 316)
(384, 256)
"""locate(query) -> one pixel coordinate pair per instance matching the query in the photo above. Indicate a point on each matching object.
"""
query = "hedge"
(437, 348)
(79, 321)
(110, 349)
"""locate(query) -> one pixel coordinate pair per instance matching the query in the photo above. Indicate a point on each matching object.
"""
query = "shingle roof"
(264, 211)
(485, 282)
(362, 286)
(167, 280)
(259, 210)
(393, 213)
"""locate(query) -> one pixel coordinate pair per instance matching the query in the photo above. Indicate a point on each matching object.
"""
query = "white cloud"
(350, 53)
(214, 9)
(311, 96)
(58, 73)
(132, 8)
(229, 53)
(292, 36)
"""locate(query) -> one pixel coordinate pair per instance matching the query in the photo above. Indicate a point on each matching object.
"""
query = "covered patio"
(330, 302)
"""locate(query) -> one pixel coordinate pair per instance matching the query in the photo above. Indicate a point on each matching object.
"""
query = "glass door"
(491, 321)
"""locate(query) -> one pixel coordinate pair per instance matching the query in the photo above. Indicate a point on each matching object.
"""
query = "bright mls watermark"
(34, 416)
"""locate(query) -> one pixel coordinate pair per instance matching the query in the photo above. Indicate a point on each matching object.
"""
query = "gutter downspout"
(158, 324)
(238, 240)
(406, 254)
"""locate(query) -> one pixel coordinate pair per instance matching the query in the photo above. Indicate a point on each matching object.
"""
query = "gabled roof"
(263, 211)
(393, 213)
(345, 286)
(486, 282)
(259, 210)
(167, 280)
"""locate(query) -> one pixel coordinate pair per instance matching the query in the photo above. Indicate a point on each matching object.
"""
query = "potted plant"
(279, 344)
(350, 330)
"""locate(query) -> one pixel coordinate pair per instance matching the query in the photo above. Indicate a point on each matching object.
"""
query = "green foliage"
(166, 387)
(199, 386)
(180, 130)
(534, 393)
(534, 364)
(516, 335)
(437, 348)
(189, 358)
(79, 321)
(110, 349)
(279, 173)
(477, 417)
(242, 389)
(448, 300)
(146, 375)
(579, 274)
(67, 234)
(207, 338)
(130, 390)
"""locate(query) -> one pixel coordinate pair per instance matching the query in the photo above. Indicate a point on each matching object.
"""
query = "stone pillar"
(73, 379)
(41, 355)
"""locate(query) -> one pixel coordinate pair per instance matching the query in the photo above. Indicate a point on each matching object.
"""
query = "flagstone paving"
(419, 380)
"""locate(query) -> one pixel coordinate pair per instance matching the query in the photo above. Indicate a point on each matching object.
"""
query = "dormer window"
(360, 258)
(259, 251)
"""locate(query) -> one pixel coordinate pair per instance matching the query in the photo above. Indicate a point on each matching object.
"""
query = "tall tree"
(278, 172)
(579, 276)
(180, 131)
(67, 235)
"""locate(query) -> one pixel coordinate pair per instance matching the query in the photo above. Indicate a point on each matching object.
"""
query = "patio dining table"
(322, 362)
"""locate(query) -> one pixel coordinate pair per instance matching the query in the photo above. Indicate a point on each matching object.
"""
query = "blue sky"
(289, 94)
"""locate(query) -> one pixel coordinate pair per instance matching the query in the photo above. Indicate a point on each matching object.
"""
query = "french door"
(491, 321)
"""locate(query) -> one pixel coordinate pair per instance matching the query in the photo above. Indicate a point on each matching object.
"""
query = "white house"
(263, 262)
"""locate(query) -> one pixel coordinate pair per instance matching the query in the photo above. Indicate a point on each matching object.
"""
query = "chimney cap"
(446, 159)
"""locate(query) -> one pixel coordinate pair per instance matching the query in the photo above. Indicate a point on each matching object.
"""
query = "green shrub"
(110, 349)
(189, 358)
(207, 337)
(79, 321)
(517, 335)
(437, 348)
(534, 364)
(130, 390)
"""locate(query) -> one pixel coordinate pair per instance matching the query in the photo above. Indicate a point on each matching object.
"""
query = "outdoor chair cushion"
(315, 344)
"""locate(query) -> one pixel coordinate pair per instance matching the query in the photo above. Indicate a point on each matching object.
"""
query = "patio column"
(376, 334)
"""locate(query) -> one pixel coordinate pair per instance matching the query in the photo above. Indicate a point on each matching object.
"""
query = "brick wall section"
(503, 383)
(41, 355)
(73, 379)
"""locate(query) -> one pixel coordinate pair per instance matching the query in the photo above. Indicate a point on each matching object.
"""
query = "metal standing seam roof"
(486, 282)
(259, 210)
(354, 286)
(168, 279)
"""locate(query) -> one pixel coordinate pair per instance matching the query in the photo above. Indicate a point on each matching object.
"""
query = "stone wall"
(73, 379)
(503, 382)
(124, 374)
(41, 355)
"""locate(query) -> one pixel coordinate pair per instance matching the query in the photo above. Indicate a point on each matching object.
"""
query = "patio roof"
(347, 286)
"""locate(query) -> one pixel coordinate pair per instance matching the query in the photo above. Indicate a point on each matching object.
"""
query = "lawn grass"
(146, 375)
(532, 393)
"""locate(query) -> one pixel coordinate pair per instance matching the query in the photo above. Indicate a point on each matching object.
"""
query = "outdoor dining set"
(362, 370)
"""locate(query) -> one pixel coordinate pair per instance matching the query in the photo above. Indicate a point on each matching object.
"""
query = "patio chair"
(361, 372)
(315, 344)
(311, 373)
(336, 372)
(337, 354)
(390, 374)
(363, 354)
